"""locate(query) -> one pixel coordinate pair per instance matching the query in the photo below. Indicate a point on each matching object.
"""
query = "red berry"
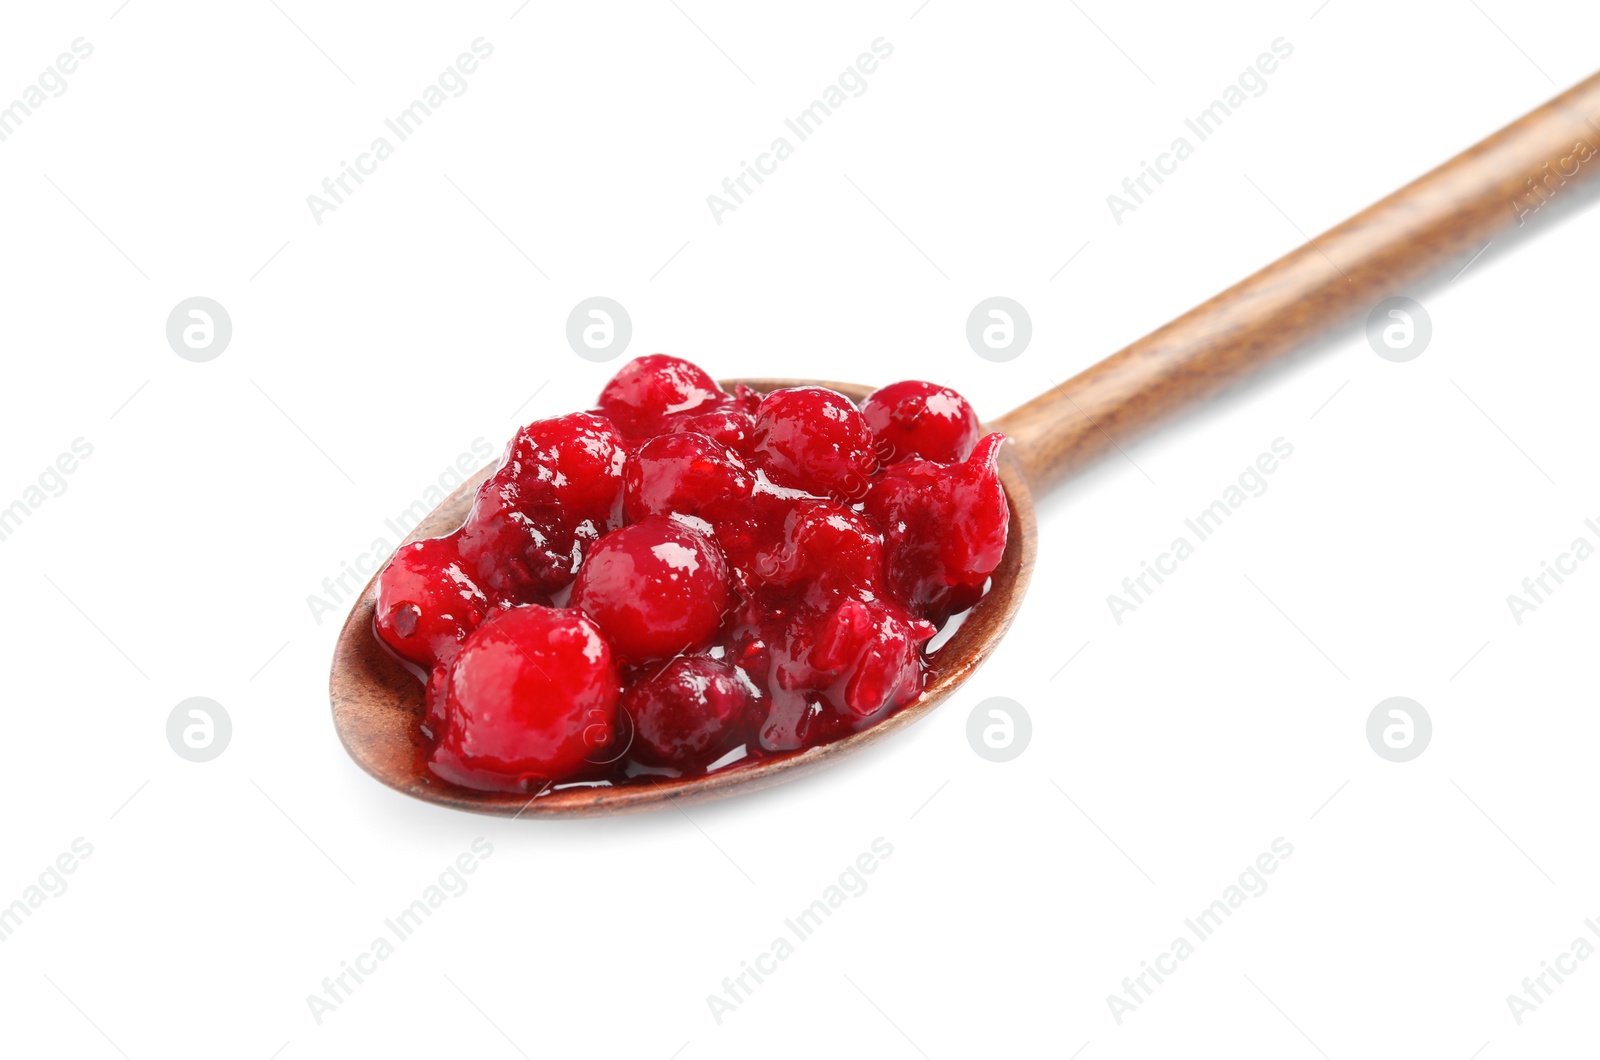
(572, 464)
(686, 474)
(531, 698)
(913, 419)
(649, 389)
(688, 714)
(872, 651)
(557, 489)
(814, 439)
(827, 546)
(657, 588)
(728, 424)
(945, 529)
(426, 602)
(520, 558)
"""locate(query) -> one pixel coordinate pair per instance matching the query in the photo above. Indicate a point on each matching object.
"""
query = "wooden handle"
(1526, 170)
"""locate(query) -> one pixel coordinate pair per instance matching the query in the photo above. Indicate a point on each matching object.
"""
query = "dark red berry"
(687, 714)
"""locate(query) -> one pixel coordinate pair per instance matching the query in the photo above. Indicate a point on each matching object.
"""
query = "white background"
(371, 350)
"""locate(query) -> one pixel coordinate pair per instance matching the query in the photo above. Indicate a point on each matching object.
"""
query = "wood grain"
(1519, 176)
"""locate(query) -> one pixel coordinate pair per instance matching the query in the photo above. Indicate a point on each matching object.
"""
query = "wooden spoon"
(1523, 172)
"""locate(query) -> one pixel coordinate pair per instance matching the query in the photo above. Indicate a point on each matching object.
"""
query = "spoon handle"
(1521, 173)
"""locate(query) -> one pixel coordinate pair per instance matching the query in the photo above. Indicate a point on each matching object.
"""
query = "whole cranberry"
(557, 489)
(872, 650)
(688, 714)
(649, 389)
(827, 545)
(530, 698)
(687, 474)
(656, 588)
(427, 604)
(571, 464)
(945, 528)
(518, 556)
(912, 419)
(814, 439)
(727, 424)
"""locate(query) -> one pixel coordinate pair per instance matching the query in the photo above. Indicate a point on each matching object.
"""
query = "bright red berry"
(727, 424)
(427, 604)
(872, 650)
(686, 474)
(814, 439)
(913, 419)
(656, 588)
(530, 698)
(558, 488)
(945, 528)
(826, 546)
(649, 389)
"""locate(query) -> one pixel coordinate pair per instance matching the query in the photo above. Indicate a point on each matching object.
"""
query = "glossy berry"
(686, 474)
(826, 545)
(945, 528)
(648, 390)
(570, 465)
(531, 697)
(916, 420)
(872, 650)
(655, 588)
(427, 604)
(518, 557)
(687, 714)
(814, 439)
(557, 489)
(727, 424)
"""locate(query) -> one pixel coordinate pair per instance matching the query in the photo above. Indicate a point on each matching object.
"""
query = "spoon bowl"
(378, 704)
